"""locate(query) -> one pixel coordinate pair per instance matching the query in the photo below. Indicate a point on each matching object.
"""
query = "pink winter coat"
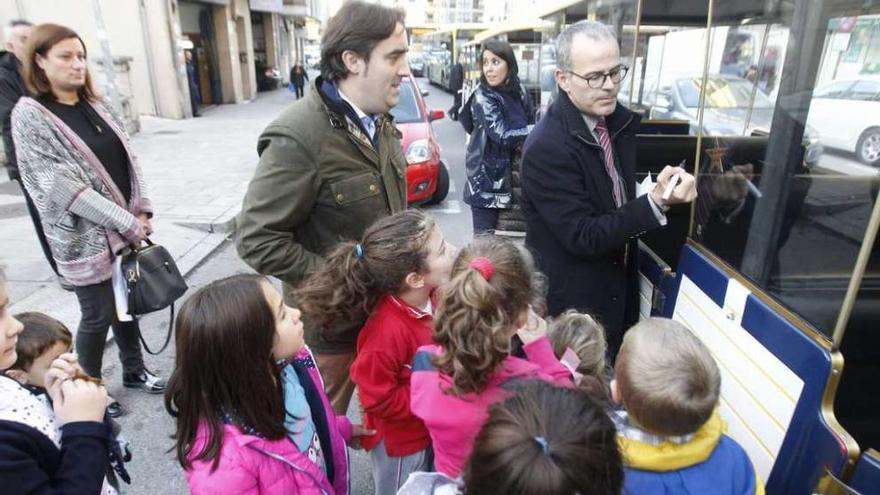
(454, 422)
(250, 465)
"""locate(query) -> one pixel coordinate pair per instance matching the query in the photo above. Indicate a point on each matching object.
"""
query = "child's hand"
(78, 400)
(358, 431)
(534, 329)
(64, 367)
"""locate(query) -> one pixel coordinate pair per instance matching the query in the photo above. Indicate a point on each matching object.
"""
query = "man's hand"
(534, 329)
(684, 192)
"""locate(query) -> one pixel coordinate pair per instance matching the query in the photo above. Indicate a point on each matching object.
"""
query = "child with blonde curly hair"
(483, 306)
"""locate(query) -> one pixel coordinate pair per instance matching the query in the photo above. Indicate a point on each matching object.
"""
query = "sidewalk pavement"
(197, 171)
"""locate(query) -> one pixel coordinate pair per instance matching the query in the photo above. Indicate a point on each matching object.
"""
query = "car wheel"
(442, 186)
(868, 148)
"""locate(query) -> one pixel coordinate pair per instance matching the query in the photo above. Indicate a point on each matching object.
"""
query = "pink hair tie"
(483, 265)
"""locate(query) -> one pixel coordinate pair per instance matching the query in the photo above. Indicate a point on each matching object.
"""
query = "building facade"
(170, 54)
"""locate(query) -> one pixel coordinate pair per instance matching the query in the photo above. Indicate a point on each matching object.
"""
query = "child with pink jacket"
(252, 415)
(485, 304)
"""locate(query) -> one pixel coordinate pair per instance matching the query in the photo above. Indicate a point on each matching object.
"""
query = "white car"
(847, 115)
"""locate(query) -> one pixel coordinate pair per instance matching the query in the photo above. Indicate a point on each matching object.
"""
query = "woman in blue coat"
(501, 116)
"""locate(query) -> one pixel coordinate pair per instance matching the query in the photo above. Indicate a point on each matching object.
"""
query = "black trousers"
(98, 315)
(485, 220)
(38, 227)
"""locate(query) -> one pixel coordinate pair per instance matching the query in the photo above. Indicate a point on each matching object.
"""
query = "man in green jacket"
(330, 165)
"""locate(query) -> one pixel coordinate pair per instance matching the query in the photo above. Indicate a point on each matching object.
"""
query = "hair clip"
(483, 265)
(359, 250)
(543, 443)
(571, 361)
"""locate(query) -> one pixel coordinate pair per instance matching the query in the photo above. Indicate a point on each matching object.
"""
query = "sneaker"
(146, 381)
(114, 408)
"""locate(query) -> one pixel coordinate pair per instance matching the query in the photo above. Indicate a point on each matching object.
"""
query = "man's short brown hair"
(40, 333)
(41, 40)
(358, 27)
(667, 378)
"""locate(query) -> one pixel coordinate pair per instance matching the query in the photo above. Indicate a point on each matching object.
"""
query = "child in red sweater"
(390, 275)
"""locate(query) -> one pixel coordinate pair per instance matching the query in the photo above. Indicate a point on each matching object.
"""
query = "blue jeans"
(485, 220)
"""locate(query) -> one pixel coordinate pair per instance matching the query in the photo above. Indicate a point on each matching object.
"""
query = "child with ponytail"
(483, 306)
(388, 279)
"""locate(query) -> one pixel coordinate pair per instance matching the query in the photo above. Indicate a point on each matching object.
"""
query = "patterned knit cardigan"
(84, 213)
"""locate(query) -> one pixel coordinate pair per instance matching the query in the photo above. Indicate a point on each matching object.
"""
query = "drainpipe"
(148, 50)
(178, 59)
(107, 59)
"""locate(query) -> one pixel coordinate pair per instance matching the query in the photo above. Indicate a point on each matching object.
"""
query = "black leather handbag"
(153, 282)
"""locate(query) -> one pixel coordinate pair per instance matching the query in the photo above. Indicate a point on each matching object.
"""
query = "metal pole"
(785, 145)
(148, 49)
(107, 59)
(19, 5)
(704, 78)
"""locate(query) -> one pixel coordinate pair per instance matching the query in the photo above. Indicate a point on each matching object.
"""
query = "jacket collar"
(669, 455)
(404, 309)
(573, 120)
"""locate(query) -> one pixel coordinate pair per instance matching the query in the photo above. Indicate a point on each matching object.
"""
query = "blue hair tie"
(359, 250)
(543, 443)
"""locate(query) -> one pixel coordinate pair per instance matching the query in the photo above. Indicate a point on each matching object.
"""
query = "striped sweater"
(84, 214)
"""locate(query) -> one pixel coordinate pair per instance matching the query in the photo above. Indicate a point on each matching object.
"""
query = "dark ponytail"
(545, 440)
(356, 275)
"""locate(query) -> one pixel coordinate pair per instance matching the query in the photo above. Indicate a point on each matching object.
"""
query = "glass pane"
(407, 109)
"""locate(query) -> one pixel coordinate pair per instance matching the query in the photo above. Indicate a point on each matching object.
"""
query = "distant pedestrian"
(252, 416)
(195, 96)
(501, 115)
(11, 89)
(76, 163)
(456, 83)
(330, 166)
(298, 78)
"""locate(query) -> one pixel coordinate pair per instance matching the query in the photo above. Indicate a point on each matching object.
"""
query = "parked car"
(728, 100)
(847, 116)
(417, 65)
(268, 76)
(427, 177)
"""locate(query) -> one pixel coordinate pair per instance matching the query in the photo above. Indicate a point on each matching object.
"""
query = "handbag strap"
(167, 336)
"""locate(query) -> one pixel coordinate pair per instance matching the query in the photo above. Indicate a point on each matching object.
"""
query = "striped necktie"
(601, 131)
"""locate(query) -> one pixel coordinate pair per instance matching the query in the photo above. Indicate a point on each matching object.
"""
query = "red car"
(427, 177)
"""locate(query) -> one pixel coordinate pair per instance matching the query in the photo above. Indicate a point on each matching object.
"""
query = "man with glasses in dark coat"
(582, 215)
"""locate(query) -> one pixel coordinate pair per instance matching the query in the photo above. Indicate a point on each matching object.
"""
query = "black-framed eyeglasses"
(596, 81)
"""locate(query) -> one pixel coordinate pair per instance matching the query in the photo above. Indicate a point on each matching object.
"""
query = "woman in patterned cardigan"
(76, 162)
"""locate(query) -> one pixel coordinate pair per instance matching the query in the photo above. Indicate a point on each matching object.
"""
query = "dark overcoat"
(585, 245)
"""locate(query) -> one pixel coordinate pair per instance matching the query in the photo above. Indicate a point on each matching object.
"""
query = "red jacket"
(386, 347)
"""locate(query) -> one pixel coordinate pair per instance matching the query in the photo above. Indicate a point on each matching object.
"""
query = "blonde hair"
(667, 378)
(476, 315)
(586, 338)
